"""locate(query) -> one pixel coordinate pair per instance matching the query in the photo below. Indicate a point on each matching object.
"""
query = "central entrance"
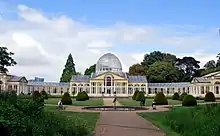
(108, 85)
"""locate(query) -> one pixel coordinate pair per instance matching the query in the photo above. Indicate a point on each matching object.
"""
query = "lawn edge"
(171, 133)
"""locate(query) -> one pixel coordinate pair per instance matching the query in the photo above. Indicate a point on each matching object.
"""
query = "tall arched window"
(217, 84)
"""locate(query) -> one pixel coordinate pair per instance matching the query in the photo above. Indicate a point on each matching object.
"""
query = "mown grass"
(200, 120)
(148, 102)
(90, 102)
(88, 118)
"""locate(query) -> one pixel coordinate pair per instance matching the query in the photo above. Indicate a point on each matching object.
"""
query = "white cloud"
(41, 43)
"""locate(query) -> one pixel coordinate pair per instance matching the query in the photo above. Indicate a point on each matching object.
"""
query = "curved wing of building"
(110, 80)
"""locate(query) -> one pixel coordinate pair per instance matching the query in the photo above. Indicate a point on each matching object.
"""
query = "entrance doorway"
(108, 83)
(108, 91)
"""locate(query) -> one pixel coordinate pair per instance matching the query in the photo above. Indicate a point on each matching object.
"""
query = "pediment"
(103, 75)
(23, 80)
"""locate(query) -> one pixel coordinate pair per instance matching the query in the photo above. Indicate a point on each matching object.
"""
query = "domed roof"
(108, 62)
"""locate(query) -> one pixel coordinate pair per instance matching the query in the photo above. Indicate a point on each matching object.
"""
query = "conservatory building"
(109, 80)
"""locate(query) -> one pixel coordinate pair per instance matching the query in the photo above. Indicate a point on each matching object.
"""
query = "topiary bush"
(44, 94)
(140, 96)
(66, 99)
(182, 96)
(176, 96)
(82, 96)
(86, 95)
(160, 99)
(189, 100)
(209, 97)
(135, 95)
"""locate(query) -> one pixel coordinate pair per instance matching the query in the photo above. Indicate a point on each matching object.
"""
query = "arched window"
(108, 81)
(80, 87)
(217, 90)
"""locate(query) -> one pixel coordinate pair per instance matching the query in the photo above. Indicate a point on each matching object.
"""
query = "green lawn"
(157, 119)
(90, 102)
(148, 102)
(89, 118)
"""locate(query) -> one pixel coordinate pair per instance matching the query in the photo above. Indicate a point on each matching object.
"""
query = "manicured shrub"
(209, 97)
(182, 96)
(44, 94)
(66, 99)
(140, 96)
(135, 95)
(160, 99)
(189, 100)
(176, 96)
(82, 96)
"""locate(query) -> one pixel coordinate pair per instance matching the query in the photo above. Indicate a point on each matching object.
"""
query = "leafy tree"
(69, 70)
(158, 56)
(6, 59)
(136, 69)
(218, 61)
(90, 70)
(163, 72)
(210, 65)
(188, 64)
(78, 73)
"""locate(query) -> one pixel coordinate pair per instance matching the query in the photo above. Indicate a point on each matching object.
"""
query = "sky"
(42, 33)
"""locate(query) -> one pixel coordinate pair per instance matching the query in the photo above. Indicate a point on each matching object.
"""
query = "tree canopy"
(158, 56)
(136, 69)
(6, 59)
(69, 70)
(90, 70)
(162, 72)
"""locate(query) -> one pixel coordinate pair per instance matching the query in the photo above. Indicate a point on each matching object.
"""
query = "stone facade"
(108, 80)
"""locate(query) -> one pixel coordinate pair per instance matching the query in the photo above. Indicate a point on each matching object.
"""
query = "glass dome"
(108, 62)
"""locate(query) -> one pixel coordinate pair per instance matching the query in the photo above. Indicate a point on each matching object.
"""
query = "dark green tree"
(163, 72)
(69, 70)
(188, 64)
(158, 56)
(218, 61)
(5, 59)
(90, 70)
(210, 64)
(136, 69)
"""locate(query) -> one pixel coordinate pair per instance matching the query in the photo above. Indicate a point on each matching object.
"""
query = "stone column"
(146, 89)
(96, 89)
(127, 89)
(77, 89)
(90, 88)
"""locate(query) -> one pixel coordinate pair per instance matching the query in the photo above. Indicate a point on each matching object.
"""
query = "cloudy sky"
(42, 33)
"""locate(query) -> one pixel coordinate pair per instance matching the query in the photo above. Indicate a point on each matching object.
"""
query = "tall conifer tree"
(69, 70)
